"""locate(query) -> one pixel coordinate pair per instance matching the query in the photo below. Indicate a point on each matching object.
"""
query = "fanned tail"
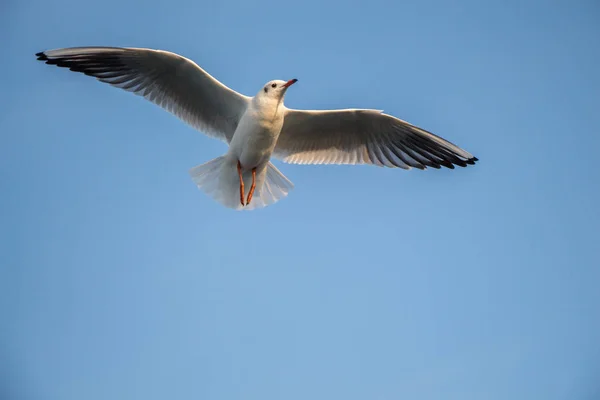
(219, 179)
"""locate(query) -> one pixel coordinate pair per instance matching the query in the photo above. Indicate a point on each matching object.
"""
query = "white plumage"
(257, 128)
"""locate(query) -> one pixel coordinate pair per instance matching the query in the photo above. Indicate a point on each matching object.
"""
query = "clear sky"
(119, 279)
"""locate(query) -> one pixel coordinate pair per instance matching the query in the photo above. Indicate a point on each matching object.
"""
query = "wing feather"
(356, 136)
(168, 80)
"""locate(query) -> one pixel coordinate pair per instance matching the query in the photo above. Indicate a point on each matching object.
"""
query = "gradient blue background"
(121, 280)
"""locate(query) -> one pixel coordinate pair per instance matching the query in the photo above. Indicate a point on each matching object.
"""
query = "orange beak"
(290, 83)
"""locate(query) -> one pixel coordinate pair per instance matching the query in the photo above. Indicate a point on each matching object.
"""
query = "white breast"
(256, 134)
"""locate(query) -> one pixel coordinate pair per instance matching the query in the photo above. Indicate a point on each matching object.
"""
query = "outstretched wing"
(169, 80)
(357, 136)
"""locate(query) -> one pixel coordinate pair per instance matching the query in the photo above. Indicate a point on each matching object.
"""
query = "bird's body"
(257, 128)
(257, 133)
(250, 148)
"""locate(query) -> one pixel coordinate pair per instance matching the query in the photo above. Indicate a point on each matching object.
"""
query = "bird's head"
(276, 89)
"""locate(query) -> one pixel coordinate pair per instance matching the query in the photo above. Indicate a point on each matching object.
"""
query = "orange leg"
(251, 192)
(239, 168)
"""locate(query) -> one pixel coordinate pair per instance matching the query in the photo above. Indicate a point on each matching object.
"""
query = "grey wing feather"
(358, 136)
(169, 80)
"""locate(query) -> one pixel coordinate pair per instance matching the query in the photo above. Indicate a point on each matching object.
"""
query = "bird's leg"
(239, 168)
(251, 192)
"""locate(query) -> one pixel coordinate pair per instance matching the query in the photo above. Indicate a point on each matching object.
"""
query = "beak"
(290, 83)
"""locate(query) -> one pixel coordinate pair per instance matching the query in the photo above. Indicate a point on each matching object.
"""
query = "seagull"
(260, 127)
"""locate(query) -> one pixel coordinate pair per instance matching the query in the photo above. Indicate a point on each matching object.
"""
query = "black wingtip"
(471, 161)
(41, 56)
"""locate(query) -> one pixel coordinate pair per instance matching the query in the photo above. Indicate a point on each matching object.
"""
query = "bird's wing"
(363, 137)
(167, 79)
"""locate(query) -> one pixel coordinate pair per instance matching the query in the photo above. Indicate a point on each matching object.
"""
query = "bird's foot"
(239, 169)
(251, 192)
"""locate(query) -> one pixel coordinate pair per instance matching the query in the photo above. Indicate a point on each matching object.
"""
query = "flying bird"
(260, 127)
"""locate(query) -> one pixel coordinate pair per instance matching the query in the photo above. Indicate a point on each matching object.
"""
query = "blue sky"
(119, 279)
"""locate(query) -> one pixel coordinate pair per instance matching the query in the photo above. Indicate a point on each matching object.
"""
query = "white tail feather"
(219, 179)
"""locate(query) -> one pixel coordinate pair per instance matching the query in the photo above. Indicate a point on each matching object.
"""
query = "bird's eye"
(266, 90)
(274, 85)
